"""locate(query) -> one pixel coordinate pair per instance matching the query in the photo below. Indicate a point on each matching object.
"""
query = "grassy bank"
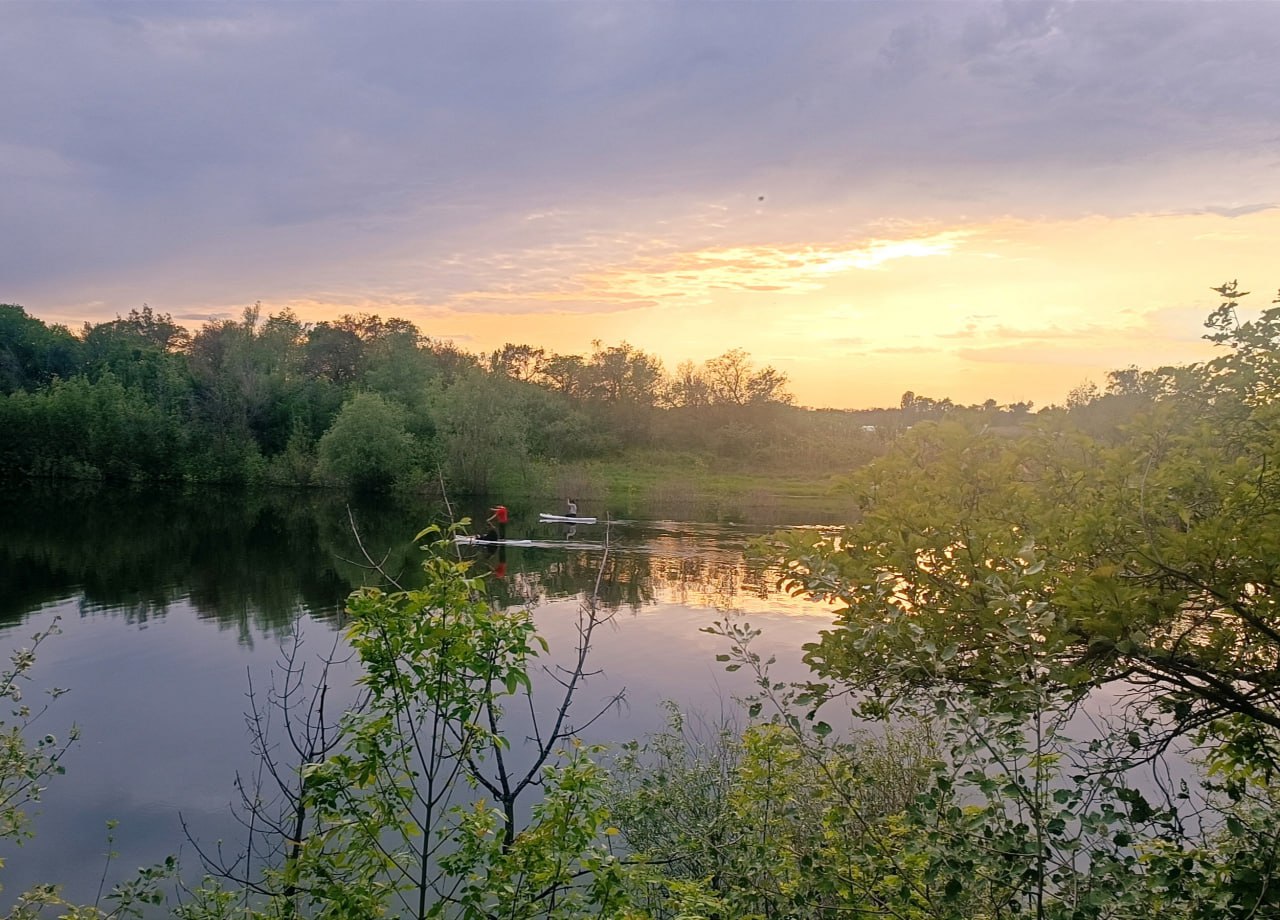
(682, 487)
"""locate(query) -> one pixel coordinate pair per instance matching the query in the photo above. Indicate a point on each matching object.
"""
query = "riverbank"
(686, 485)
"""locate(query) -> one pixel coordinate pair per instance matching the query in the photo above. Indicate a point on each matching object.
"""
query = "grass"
(688, 486)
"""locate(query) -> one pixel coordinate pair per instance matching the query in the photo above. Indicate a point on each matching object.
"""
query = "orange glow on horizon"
(1011, 309)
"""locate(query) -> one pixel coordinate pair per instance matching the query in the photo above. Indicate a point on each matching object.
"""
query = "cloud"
(188, 318)
(1050, 354)
(1237, 211)
(495, 302)
(903, 350)
(214, 154)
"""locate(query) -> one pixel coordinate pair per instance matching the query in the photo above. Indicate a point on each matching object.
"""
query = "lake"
(173, 603)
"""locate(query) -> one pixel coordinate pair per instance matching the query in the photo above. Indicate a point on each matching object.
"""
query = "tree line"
(371, 403)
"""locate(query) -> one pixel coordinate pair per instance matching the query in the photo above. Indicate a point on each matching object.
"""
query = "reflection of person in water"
(571, 531)
(497, 556)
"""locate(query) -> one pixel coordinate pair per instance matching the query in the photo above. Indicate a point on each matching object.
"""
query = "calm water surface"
(172, 603)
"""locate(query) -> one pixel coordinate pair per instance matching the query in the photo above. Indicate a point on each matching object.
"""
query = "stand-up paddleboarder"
(497, 523)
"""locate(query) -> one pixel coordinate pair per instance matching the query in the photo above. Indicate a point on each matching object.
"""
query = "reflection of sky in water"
(168, 610)
(160, 707)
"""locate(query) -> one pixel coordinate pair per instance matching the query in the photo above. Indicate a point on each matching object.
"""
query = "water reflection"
(252, 562)
(249, 562)
(139, 577)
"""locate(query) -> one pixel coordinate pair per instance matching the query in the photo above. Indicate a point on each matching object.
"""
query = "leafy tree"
(557, 428)
(32, 354)
(144, 351)
(762, 823)
(732, 379)
(687, 387)
(1150, 564)
(97, 429)
(368, 446)
(140, 329)
(1082, 395)
(623, 374)
(1155, 558)
(482, 429)
(374, 330)
(920, 407)
(403, 372)
(519, 362)
(333, 353)
(451, 362)
(386, 822)
(565, 373)
(250, 380)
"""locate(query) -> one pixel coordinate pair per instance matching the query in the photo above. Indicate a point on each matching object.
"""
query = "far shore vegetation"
(371, 404)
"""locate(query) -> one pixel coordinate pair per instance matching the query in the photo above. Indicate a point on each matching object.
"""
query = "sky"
(966, 200)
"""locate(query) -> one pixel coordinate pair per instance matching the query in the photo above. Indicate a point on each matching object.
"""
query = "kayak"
(565, 519)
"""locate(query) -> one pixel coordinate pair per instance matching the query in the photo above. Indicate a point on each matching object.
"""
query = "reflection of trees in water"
(254, 561)
(550, 574)
(636, 577)
(713, 580)
(247, 561)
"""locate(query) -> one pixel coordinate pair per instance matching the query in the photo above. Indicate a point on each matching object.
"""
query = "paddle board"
(464, 538)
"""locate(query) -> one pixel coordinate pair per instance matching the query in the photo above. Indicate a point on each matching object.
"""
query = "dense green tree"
(333, 354)
(451, 362)
(1152, 562)
(557, 428)
(519, 362)
(140, 329)
(483, 431)
(98, 429)
(566, 374)
(622, 374)
(32, 354)
(368, 445)
(144, 351)
(252, 390)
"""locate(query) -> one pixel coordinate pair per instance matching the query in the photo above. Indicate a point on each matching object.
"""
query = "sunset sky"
(962, 199)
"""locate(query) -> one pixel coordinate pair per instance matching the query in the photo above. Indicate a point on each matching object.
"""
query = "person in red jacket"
(497, 522)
